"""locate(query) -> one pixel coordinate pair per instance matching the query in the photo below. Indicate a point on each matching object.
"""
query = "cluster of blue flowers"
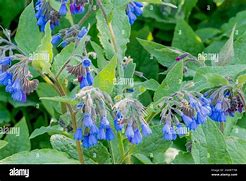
(134, 9)
(89, 133)
(192, 111)
(132, 124)
(77, 6)
(15, 79)
(82, 72)
(66, 36)
(45, 13)
(225, 102)
(86, 79)
(94, 124)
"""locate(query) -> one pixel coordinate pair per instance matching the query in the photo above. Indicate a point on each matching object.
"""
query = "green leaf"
(3, 143)
(64, 144)
(238, 132)
(186, 39)
(154, 143)
(63, 99)
(227, 51)
(44, 53)
(28, 36)
(42, 156)
(55, 4)
(187, 8)
(239, 20)
(141, 159)
(42, 130)
(140, 56)
(183, 158)
(97, 154)
(120, 27)
(239, 49)
(129, 70)
(18, 141)
(60, 61)
(216, 79)
(208, 145)
(171, 83)
(10, 10)
(141, 87)
(165, 55)
(241, 80)
(207, 33)
(105, 79)
(46, 90)
(237, 150)
(4, 114)
(101, 61)
(200, 79)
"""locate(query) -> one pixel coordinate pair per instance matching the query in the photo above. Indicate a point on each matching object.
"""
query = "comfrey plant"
(97, 88)
(225, 101)
(130, 117)
(94, 124)
(68, 35)
(134, 9)
(183, 112)
(16, 77)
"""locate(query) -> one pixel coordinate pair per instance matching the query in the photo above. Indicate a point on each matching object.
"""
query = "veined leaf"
(171, 83)
(44, 54)
(105, 79)
(28, 36)
(17, 141)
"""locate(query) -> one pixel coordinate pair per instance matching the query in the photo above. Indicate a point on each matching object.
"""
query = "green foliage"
(42, 156)
(106, 78)
(28, 36)
(17, 141)
(145, 52)
(171, 83)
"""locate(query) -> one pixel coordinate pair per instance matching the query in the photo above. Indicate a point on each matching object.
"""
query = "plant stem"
(111, 151)
(87, 15)
(119, 67)
(222, 127)
(121, 145)
(114, 44)
(74, 122)
(55, 83)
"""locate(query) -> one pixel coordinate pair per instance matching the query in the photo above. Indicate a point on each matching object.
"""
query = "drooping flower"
(45, 13)
(69, 35)
(78, 134)
(94, 124)
(63, 8)
(130, 115)
(5, 61)
(77, 6)
(133, 10)
(225, 102)
(82, 72)
(183, 112)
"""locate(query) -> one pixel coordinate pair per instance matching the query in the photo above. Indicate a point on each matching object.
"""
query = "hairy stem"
(119, 66)
(74, 122)
(61, 92)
